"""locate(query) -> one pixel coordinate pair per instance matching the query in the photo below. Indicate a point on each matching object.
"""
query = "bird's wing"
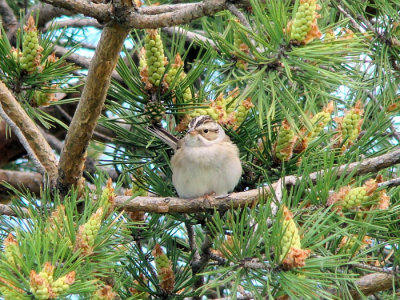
(164, 135)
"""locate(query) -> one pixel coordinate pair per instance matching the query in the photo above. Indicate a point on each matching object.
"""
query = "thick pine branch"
(37, 143)
(147, 17)
(90, 105)
(235, 200)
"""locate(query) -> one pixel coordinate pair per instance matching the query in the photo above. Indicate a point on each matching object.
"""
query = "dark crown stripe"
(198, 121)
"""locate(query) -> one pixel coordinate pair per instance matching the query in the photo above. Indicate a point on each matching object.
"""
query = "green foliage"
(316, 104)
(49, 232)
(48, 75)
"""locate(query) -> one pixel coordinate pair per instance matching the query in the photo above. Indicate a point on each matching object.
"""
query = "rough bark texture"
(373, 283)
(32, 134)
(171, 204)
(90, 106)
(9, 21)
(149, 17)
(32, 181)
(8, 211)
(47, 13)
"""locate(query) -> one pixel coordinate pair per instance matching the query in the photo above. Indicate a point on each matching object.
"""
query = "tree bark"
(90, 105)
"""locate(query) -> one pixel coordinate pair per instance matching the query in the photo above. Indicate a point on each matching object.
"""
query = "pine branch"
(242, 18)
(28, 133)
(190, 36)
(390, 183)
(47, 12)
(29, 180)
(77, 23)
(155, 17)
(80, 60)
(90, 105)
(236, 200)
(23, 141)
(9, 21)
(7, 210)
(373, 283)
(375, 269)
(368, 26)
(200, 262)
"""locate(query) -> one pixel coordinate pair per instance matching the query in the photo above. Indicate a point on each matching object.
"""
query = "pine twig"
(236, 200)
(155, 17)
(8, 18)
(190, 36)
(77, 23)
(372, 283)
(29, 180)
(242, 18)
(352, 20)
(28, 133)
(250, 197)
(23, 141)
(390, 183)
(201, 262)
(376, 269)
(90, 105)
(80, 60)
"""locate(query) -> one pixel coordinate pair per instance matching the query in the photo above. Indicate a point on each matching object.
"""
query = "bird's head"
(203, 131)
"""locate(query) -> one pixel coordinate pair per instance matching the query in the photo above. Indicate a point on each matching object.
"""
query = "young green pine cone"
(285, 142)
(31, 50)
(290, 237)
(138, 191)
(16, 54)
(61, 285)
(104, 292)
(355, 197)
(170, 77)
(352, 245)
(11, 292)
(320, 120)
(11, 250)
(239, 44)
(291, 255)
(304, 27)
(88, 232)
(350, 126)
(39, 98)
(302, 22)
(154, 111)
(155, 58)
(348, 198)
(242, 111)
(164, 269)
(210, 111)
(107, 198)
(40, 284)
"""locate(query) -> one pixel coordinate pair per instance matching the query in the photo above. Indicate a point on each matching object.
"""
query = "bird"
(205, 162)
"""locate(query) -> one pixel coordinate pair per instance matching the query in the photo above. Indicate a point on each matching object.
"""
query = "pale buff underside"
(204, 170)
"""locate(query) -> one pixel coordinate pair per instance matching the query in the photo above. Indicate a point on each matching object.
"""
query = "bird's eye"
(205, 130)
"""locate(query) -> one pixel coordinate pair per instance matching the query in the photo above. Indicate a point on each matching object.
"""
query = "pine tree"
(307, 90)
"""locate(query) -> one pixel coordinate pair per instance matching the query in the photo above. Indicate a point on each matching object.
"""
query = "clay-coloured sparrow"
(205, 161)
